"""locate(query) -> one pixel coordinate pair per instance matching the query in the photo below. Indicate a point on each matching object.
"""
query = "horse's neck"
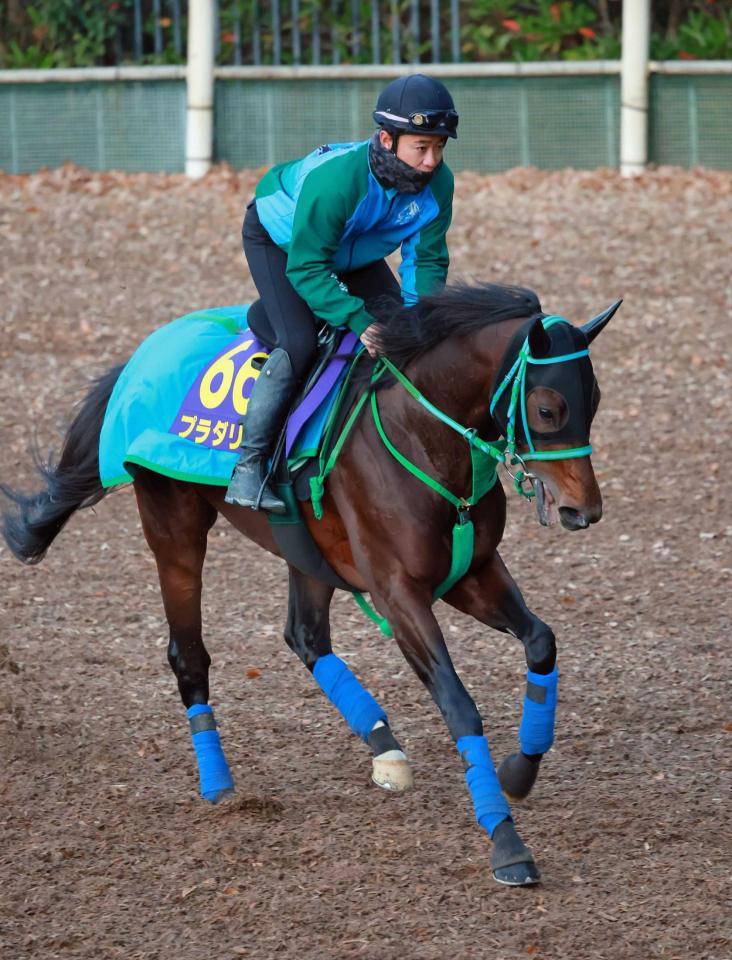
(457, 375)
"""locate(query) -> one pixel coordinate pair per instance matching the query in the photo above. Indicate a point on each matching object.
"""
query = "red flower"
(683, 55)
(227, 38)
(587, 32)
(554, 10)
(511, 25)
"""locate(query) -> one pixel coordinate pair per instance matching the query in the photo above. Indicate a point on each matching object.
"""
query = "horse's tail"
(32, 525)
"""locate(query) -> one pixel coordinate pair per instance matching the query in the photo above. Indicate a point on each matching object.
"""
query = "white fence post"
(200, 88)
(634, 87)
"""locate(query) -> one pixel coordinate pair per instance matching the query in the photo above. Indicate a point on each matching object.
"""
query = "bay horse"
(461, 369)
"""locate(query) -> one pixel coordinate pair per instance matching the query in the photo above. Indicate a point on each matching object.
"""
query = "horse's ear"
(594, 326)
(539, 341)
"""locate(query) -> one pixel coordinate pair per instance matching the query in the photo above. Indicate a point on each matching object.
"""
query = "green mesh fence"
(549, 122)
(103, 126)
(691, 121)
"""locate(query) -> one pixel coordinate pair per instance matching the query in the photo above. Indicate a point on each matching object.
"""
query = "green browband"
(484, 456)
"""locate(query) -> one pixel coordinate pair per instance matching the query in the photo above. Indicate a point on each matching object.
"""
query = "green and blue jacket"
(331, 215)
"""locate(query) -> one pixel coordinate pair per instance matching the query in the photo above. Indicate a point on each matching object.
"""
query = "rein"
(485, 457)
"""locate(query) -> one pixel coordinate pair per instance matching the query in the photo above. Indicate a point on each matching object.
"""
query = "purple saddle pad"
(305, 410)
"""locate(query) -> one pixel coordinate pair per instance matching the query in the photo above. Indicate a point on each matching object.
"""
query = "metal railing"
(299, 32)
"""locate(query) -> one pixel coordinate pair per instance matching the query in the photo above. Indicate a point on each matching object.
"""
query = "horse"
(410, 510)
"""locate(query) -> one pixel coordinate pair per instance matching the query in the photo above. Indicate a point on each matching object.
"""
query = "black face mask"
(574, 380)
(395, 174)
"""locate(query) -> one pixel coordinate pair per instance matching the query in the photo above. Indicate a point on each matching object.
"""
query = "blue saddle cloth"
(179, 403)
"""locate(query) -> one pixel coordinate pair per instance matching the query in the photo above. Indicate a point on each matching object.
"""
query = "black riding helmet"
(417, 104)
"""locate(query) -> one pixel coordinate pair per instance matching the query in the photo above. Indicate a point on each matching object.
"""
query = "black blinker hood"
(573, 379)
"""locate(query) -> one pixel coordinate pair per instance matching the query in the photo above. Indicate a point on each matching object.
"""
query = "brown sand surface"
(107, 852)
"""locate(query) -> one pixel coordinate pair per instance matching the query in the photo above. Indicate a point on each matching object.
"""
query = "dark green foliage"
(64, 33)
(58, 33)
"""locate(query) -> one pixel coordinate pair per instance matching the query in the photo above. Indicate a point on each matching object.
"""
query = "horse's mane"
(405, 333)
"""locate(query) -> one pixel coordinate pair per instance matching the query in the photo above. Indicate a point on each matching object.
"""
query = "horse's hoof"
(517, 775)
(392, 772)
(512, 862)
(518, 875)
(216, 796)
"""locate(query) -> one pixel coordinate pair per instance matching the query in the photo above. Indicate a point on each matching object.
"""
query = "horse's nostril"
(573, 519)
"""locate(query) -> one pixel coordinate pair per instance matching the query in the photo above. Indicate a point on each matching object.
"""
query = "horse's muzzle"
(573, 519)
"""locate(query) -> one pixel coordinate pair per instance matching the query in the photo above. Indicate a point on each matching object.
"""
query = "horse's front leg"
(307, 633)
(491, 596)
(408, 608)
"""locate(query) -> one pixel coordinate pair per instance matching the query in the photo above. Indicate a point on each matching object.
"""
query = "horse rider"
(315, 237)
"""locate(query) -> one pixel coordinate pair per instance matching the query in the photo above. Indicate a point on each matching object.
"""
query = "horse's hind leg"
(176, 521)
(491, 596)
(308, 634)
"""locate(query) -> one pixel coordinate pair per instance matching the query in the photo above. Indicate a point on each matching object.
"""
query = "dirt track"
(106, 850)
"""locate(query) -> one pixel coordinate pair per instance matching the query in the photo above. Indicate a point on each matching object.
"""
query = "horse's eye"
(546, 414)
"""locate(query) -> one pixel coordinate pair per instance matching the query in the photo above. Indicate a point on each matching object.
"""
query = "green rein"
(484, 456)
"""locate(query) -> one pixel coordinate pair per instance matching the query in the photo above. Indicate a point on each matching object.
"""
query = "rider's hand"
(369, 338)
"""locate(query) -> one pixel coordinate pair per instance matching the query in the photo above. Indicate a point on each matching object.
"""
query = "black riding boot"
(266, 410)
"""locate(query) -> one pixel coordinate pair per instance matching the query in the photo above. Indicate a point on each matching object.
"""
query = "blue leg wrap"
(215, 776)
(536, 733)
(358, 707)
(490, 805)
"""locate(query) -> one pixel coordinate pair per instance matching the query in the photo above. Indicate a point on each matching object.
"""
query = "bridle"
(516, 380)
(485, 456)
